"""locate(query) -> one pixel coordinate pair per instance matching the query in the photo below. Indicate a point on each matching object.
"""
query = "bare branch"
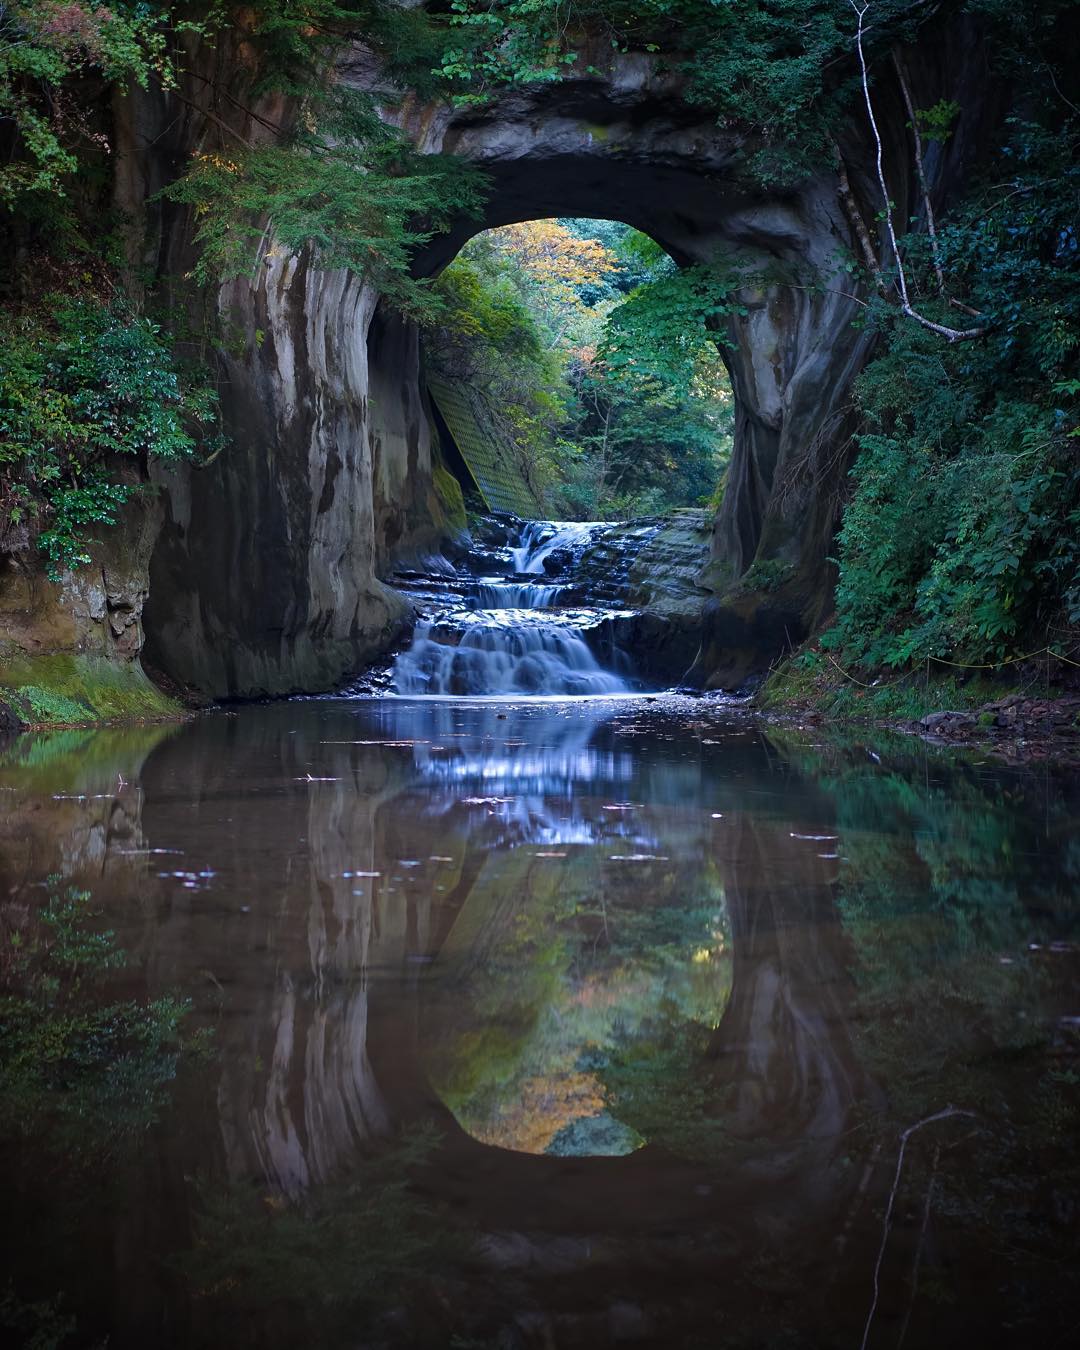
(951, 334)
(931, 227)
(213, 117)
(275, 127)
(947, 1113)
(854, 215)
(821, 290)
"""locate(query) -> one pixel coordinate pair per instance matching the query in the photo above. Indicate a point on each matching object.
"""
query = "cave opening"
(568, 378)
(339, 476)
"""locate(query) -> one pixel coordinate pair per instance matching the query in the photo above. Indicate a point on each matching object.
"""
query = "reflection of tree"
(274, 1272)
(662, 1088)
(559, 970)
(955, 896)
(85, 1073)
(80, 1070)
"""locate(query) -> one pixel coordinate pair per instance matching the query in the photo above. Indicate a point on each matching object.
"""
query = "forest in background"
(960, 529)
(611, 414)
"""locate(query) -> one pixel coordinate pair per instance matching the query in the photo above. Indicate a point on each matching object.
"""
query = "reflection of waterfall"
(518, 775)
(491, 636)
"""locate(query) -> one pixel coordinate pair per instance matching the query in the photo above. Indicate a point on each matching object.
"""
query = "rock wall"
(265, 576)
(263, 581)
(69, 649)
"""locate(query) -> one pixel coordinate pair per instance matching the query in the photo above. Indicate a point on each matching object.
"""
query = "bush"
(85, 385)
(962, 537)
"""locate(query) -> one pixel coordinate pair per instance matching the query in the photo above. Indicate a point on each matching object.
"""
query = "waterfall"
(544, 537)
(493, 635)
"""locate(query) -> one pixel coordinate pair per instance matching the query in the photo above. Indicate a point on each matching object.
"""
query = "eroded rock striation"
(265, 575)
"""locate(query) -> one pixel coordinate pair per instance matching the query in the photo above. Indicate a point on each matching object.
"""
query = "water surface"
(536, 1024)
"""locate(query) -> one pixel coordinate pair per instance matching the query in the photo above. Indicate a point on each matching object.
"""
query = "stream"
(515, 619)
(513, 1007)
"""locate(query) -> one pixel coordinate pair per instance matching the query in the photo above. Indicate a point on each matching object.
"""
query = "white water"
(543, 537)
(494, 594)
(510, 637)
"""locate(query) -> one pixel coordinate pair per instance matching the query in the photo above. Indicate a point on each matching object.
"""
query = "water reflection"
(454, 957)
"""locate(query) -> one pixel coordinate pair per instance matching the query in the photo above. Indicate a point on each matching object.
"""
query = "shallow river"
(473, 1024)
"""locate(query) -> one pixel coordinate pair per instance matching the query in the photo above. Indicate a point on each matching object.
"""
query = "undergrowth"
(812, 681)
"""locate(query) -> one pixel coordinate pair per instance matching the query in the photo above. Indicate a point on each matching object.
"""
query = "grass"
(809, 680)
(64, 689)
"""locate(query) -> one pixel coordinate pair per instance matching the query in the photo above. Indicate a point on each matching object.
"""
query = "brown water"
(536, 1025)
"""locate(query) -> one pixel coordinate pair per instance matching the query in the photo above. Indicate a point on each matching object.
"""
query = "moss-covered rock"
(449, 496)
(64, 689)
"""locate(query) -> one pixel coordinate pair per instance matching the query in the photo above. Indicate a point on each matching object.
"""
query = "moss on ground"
(811, 681)
(63, 689)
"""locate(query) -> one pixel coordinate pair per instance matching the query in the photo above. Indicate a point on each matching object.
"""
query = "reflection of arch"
(784, 1070)
(320, 1047)
(781, 1056)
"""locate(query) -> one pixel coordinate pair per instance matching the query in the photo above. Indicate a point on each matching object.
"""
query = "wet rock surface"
(266, 575)
(1021, 726)
(544, 607)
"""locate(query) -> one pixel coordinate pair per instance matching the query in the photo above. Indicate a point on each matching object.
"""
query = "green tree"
(84, 386)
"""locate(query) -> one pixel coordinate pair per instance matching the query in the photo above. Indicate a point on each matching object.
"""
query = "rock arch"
(266, 575)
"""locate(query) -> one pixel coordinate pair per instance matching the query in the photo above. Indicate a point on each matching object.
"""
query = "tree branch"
(951, 334)
(213, 117)
(275, 127)
(854, 215)
(931, 227)
(945, 1114)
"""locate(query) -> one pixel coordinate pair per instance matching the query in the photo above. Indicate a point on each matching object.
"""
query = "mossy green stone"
(64, 688)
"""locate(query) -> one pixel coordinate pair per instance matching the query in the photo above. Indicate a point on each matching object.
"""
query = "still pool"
(388, 1023)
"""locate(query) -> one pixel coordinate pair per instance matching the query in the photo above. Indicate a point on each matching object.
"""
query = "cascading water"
(504, 635)
(542, 538)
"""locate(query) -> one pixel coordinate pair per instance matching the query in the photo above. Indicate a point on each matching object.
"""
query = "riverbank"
(58, 690)
(1020, 716)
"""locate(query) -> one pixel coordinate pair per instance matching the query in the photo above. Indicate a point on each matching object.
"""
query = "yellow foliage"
(556, 260)
(546, 1105)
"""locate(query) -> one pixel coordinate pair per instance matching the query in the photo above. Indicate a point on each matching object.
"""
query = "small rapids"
(542, 538)
(516, 634)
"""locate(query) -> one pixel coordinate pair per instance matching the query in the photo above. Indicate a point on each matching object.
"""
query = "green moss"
(810, 680)
(448, 491)
(62, 688)
(765, 575)
(46, 706)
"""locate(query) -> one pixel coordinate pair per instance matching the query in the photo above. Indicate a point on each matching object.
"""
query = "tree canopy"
(616, 406)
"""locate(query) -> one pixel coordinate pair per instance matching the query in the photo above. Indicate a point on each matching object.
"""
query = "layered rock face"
(264, 578)
(265, 575)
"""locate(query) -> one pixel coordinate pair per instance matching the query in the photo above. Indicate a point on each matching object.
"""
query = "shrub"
(85, 385)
